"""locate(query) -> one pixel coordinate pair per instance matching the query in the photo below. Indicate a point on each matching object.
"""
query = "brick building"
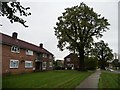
(71, 61)
(19, 56)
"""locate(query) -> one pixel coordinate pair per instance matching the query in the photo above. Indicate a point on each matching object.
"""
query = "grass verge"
(109, 80)
(50, 79)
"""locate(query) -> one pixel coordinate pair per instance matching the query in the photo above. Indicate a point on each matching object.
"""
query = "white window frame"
(68, 59)
(68, 65)
(30, 62)
(45, 64)
(44, 67)
(29, 52)
(50, 57)
(44, 55)
(12, 60)
(17, 49)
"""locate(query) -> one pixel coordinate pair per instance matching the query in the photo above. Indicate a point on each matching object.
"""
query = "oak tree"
(13, 10)
(76, 28)
(103, 53)
(116, 63)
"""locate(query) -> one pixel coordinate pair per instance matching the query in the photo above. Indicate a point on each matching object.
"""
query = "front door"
(38, 66)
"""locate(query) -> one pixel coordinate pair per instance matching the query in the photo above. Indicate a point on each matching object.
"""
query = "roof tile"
(22, 44)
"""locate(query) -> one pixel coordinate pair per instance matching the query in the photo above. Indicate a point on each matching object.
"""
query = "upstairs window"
(29, 52)
(15, 49)
(14, 63)
(68, 59)
(50, 57)
(45, 55)
(28, 64)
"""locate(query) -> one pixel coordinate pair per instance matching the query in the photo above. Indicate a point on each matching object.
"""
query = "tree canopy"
(103, 53)
(11, 9)
(76, 28)
(116, 63)
(91, 63)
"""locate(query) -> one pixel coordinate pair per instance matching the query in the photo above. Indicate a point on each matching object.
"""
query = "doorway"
(38, 66)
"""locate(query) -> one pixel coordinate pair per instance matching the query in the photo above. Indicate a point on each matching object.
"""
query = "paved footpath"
(91, 81)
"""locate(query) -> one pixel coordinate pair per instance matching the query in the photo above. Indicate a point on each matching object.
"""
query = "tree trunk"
(81, 60)
(102, 67)
(102, 64)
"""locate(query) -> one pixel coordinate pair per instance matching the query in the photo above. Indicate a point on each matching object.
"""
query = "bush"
(59, 68)
(91, 63)
(69, 68)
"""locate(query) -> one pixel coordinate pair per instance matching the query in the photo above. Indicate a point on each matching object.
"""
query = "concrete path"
(91, 81)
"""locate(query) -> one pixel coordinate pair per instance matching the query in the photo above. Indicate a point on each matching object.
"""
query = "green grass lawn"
(109, 80)
(49, 79)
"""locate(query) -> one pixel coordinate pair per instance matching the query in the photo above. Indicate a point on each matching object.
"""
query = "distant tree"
(119, 65)
(115, 63)
(103, 53)
(91, 63)
(76, 28)
(11, 8)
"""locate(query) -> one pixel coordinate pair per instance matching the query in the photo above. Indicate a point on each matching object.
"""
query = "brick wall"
(47, 60)
(73, 60)
(7, 55)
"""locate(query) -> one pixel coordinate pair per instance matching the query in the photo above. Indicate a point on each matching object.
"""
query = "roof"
(22, 44)
(68, 56)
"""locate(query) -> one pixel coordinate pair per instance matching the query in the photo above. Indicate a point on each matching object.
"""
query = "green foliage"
(119, 65)
(103, 53)
(116, 63)
(76, 28)
(91, 63)
(59, 65)
(11, 9)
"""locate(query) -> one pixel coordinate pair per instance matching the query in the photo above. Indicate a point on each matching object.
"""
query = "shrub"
(91, 63)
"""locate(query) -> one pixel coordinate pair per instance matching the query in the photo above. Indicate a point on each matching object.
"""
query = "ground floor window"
(70, 66)
(14, 63)
(28, 64)
(44, 65)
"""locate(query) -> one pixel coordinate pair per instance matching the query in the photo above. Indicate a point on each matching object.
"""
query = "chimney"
(14, 35)
(41, 45)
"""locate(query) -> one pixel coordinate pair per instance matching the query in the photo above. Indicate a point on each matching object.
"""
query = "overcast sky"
(44, 17)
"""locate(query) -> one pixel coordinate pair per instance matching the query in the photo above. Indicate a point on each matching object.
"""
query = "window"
(29, 52)
(44, 64)
(50, 64)
(14, 63)
(45, 55)
(15, 49)
(28, 64)
(68, 59)
(50, 57)
(68, 65)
